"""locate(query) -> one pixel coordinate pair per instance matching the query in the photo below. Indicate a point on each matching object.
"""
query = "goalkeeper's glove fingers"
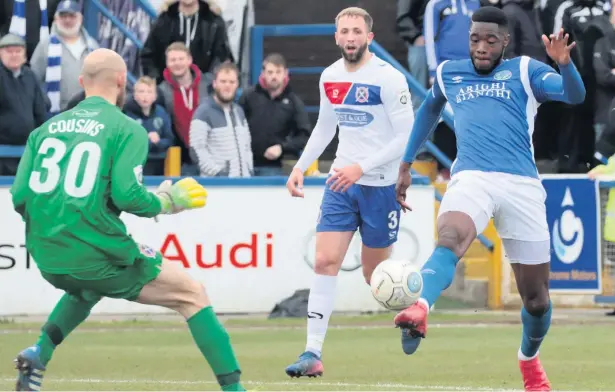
(186, 194)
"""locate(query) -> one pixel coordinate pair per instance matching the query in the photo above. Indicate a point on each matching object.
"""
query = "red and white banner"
(251, 247)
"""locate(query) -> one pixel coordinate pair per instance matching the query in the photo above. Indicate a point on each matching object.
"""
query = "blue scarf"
(18, 21)
(53, 75)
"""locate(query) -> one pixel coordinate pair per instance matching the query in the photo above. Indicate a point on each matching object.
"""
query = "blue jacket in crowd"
(446, 27)
(157, 121)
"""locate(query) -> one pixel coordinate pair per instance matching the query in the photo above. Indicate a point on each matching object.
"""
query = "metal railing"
(91, 11)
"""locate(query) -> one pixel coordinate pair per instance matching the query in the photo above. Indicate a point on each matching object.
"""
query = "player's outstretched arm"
(127, 190)
(546, 84)
(425, 123)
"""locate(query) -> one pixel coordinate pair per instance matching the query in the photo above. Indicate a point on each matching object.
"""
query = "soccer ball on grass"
(396, 284)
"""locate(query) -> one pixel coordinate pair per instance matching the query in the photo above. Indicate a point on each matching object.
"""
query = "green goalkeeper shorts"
(113, 281)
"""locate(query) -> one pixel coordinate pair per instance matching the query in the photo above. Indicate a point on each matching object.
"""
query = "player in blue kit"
(494, 104)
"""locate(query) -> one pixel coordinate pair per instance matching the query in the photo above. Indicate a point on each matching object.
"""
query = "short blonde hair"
(178, 46)
(146, 80)
(356, 12)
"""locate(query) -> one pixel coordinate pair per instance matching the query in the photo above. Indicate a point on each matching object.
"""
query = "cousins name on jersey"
(497, 90)
(89, 126)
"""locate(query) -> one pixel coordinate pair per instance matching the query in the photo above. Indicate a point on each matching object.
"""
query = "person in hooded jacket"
(196, 23)
(183, 89)
(142, 108)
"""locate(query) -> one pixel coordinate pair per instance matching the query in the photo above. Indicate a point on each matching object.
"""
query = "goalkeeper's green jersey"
(79, 171)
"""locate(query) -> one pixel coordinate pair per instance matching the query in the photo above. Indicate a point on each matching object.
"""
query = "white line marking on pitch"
(259, 328)
(277, 383)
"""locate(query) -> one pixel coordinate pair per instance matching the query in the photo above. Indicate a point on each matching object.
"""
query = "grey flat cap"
(11, 40)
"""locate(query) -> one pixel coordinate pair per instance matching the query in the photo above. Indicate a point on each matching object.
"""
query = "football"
(396, 284)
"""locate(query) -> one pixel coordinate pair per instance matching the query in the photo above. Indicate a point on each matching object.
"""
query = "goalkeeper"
(79, 171)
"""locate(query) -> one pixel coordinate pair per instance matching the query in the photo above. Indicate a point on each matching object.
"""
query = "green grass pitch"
(462, 352)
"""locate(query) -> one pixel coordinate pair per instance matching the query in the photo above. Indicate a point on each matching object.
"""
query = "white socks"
(424, 302)
(320, 307)
(523, 357)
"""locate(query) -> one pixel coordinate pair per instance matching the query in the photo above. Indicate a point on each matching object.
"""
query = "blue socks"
(438, 273)
(534, 330)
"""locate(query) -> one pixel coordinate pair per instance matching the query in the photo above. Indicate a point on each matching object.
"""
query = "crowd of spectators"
(189, 93)
(567, 139)
(187, 96)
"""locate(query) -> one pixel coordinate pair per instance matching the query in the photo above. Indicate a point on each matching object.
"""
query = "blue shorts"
(374, 210)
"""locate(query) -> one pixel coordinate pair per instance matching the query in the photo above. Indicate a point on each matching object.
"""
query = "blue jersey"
(494, 113)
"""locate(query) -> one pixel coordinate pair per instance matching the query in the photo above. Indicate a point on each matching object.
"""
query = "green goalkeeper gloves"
(185, 194)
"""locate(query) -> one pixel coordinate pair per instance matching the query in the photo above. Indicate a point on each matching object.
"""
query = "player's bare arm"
(404, 180)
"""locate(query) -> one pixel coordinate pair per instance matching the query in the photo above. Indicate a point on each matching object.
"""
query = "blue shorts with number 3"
(371, 209)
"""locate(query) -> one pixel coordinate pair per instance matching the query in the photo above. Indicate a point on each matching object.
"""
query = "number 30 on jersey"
(76, 164)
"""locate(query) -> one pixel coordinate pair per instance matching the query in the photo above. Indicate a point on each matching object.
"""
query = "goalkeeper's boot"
(413, 324)
(534, 375)
(308, 364)
(30, 368)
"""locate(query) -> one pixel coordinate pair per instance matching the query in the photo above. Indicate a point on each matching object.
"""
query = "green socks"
(209, 335)
(214, 342)
(65, 317)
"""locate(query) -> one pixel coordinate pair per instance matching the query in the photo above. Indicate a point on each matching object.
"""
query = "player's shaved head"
(102, 64)
(104, 74)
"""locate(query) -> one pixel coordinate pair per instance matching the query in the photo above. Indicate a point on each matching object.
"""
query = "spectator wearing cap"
(285, 128)
(28, 19)
(197, 24)
(57, 61)
(22, 105)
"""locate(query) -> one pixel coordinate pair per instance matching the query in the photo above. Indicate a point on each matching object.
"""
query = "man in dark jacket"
(196, 24)
(604, 69)
(524, 29)
(33, 20)
(276, 117)
(581, 20)
(22, 105)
